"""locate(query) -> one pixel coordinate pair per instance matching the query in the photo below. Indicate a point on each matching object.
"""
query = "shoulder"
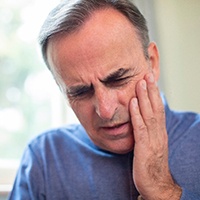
(60, 133)
(183, 131)
(58, 138)
(184, 148)
(184, 122)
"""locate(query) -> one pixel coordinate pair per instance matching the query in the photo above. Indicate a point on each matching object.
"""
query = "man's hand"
(151, 172)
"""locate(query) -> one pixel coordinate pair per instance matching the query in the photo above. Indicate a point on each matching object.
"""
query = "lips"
(117, 130)
(114, 126)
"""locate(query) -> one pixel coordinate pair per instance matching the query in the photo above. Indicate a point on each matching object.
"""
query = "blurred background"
(30, 101)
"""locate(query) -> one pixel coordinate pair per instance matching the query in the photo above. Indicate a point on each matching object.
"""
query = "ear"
(154, 60)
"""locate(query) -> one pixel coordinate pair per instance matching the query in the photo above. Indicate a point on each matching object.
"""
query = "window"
(30, 100)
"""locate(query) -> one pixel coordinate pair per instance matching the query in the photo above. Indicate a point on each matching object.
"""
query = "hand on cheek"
(151, 173)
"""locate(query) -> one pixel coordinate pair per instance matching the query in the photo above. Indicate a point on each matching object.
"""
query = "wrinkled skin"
(112, 89)
(150, 166)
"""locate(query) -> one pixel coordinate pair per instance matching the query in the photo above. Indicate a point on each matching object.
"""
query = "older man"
(129, 142)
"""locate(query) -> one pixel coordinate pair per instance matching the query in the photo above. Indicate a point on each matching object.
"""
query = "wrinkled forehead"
(104, 40)
(103, 27)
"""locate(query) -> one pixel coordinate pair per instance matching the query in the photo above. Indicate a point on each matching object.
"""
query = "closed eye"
(118, 82)
(118, 78)
(80, 91)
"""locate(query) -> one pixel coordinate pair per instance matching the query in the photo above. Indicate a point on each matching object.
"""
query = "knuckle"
(151, 122)
(160, 109)
(142, 128)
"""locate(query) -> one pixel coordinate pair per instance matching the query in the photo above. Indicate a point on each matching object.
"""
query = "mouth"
(114, 126)
(117, 130)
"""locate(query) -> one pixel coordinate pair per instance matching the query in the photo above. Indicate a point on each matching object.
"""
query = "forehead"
(106, 37)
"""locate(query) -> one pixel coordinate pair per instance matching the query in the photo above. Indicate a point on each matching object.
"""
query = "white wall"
(178, 32)
(175, 26)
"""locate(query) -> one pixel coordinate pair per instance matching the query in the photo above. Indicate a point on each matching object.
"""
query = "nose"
(105, 103)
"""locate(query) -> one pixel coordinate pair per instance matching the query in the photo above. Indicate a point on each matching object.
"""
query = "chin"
(121, 147)
(122, 151)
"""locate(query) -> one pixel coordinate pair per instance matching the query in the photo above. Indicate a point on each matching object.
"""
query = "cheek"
(126, 94)
(83, 111)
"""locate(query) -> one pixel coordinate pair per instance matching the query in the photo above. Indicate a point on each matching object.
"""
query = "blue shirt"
(65, 164)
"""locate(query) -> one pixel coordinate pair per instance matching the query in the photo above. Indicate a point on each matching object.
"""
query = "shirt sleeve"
(186, 195)
(29, 181)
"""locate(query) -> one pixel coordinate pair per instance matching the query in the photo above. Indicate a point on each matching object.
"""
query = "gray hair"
(70, 15)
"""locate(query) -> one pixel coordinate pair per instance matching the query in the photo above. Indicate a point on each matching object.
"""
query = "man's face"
(98, 68)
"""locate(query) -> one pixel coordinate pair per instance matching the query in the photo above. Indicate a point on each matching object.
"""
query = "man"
(129, 145)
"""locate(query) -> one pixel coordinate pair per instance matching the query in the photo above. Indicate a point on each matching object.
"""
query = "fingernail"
(134, 102)
(151, 78)
(144, 85)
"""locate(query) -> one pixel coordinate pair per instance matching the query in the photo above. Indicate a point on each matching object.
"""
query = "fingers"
(147, 111)
(145, 103)
(138, 122)
(151, 149)
(155, 98)
(149, 99)
(140, 198)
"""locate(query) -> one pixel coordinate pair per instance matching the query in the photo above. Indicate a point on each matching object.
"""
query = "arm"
(29, 179)
(151, 172)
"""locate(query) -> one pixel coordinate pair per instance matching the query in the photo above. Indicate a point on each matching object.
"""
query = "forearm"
(176, 193)
(171, 194)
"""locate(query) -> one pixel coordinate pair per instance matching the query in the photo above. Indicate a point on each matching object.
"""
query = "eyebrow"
(76, 90)
(116, 75)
